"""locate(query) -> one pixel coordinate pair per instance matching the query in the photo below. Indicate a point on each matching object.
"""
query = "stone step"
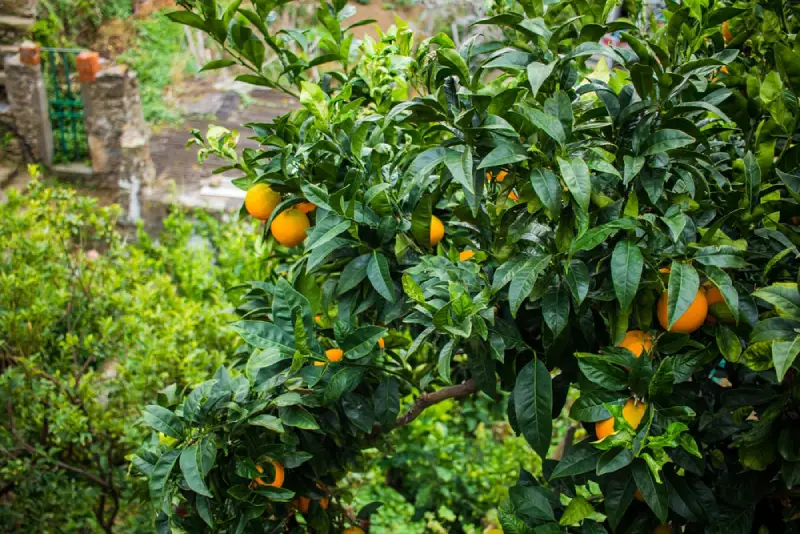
(22, 24)
(2, 78)
(8, 50)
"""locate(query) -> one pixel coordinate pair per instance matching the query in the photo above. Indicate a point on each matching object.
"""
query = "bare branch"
(465, 389)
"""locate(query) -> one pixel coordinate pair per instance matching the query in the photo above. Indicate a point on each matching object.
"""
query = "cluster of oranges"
(290, 226)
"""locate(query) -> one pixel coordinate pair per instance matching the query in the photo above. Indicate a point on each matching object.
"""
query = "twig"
(426, 400)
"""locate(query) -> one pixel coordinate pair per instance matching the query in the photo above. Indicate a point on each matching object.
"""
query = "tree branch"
(465, 389)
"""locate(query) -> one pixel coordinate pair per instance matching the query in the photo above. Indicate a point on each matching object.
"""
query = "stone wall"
(27, 107)
(117, 133)
(20, 8)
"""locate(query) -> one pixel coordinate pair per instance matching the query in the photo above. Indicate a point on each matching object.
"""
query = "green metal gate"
(65, 105)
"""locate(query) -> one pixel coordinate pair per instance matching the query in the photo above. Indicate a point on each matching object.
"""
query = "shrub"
(586, 196)
(92, 326)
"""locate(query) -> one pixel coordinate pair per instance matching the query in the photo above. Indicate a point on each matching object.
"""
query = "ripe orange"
(437, 230)
(604, 428)
(726, 31)
(665, 270)
(306, 207)
(289, 227)
(724, 69)
(302, 503)
(637, 341)
(662, 529)
(513, 196)
(713, 296)
(691, 320)
(464, 255)
(260, 201)
(381, 343)
(500, 176)
(633, 411)
(333, 355)
(353, 530)
(639, 496)
(279, 475)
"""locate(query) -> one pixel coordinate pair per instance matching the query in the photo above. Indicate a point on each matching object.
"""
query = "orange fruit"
(260, 201)
(726, 31)
(604, 428)
(302, 503)
(464, 255)
(306, 207)
(662, 529)
(637, 341)
(633, 411)
(353, 530)
(500, 176)
(724, 69)
(513, 196)
(713, 295)
(691, 320)
(665, 270)
(333, 355)
(289, 227)
(437, 230)
(381, 343)
(279, 475)
(639, 496)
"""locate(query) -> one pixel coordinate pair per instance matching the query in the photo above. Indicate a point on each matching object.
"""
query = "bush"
(527, 224)
(92, 326)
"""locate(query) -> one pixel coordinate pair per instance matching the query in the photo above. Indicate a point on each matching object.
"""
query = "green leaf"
(387, 401)
(267, 421)
(531, 502)
(263, 335)
(160, 475)
(445, 356)
(548, 124)
(298, 417)
(451, 58)
(353, 274)
(217, 64)
(537, 74)
(633, 164)
(590, 406)
(523, 281)
(654, 493)
(619, 491)
(728, 343)
(555, 308)
(482, 366)
(359, 411)
(548, 189)
(752, 180)
(254, 51)
(577, 510)
(460, 166)
(614, 459)
(163, 420)
(578, 280)
(421, 222)
(287, 304)
(667, 139)
(723, 256)
(600, 234)
(784, 354)
(533, 404)
(314, 100)
(581, 458)
(505, 154)
(362, 341)
(190, 467)
(204, 510)
(597, 369)
(683, 285)
(662, 380)
(626, 271)
(723, 282)
(378, 274)
(576, 175)
(188, 18)
(784, 296)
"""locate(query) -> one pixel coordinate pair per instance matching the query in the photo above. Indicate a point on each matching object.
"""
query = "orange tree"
(525, 223)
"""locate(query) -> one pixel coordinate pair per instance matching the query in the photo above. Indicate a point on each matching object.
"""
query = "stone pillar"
(27, 103)
(117, 133)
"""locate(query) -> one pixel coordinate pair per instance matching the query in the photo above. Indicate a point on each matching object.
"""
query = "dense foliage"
(620, 203)
(91, 327)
